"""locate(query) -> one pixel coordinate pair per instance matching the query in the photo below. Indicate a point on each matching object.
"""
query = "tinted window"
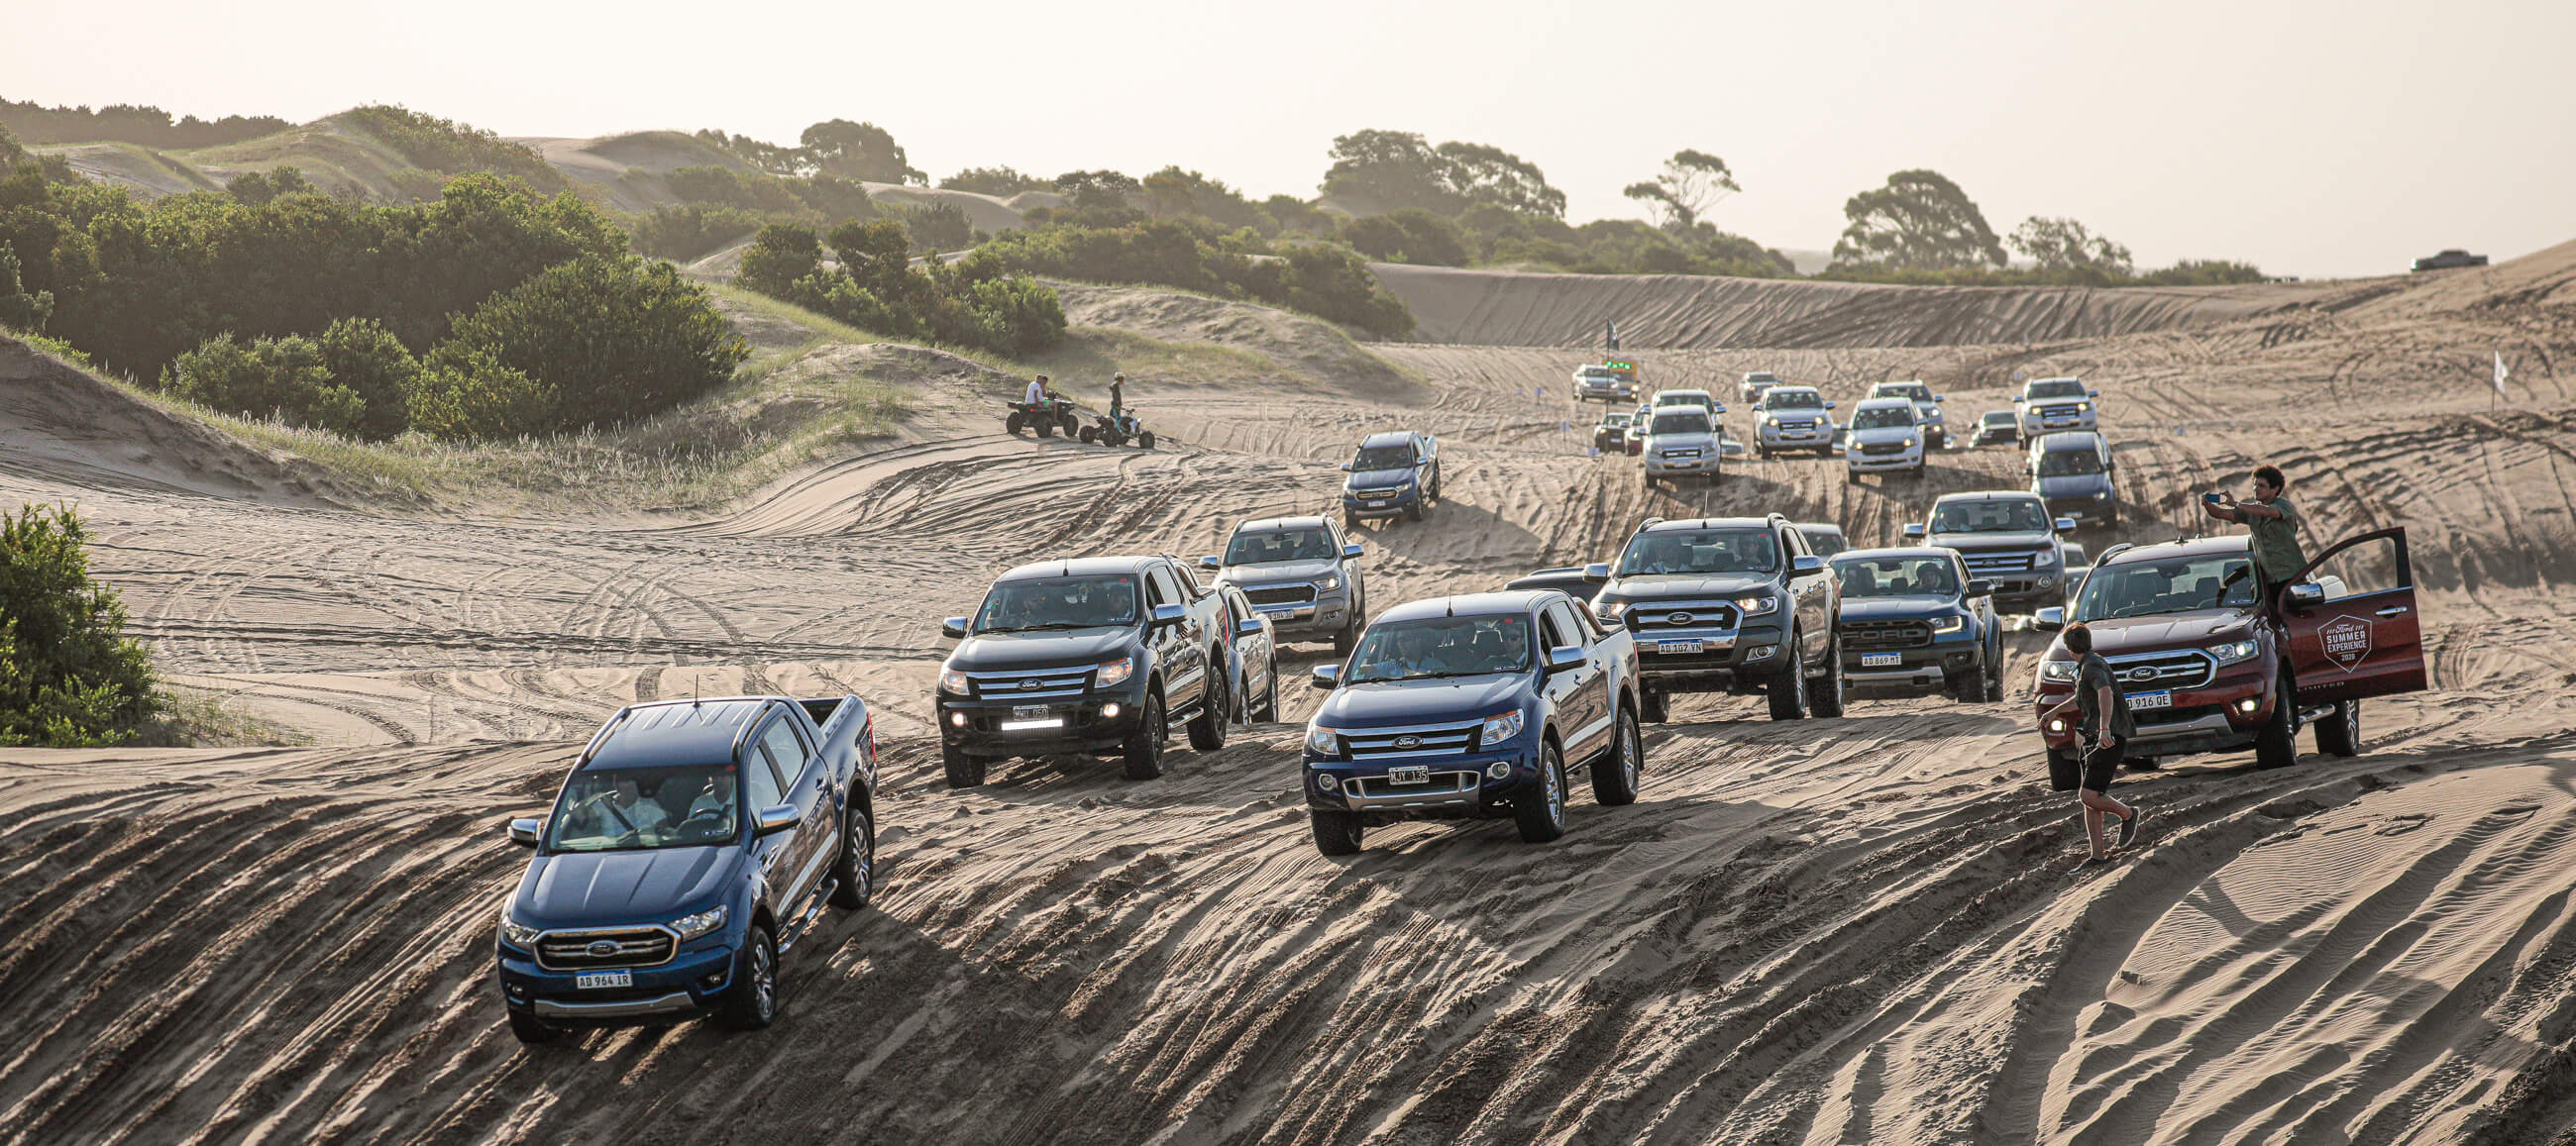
(1882, 418)
(1442, 647)
(2062, 388)
(1059, 603)
(2175, 585)
(1396, 457)
(766, 791)
(785, 749)
(1691, 422)
(1278, 545)
(1897, 576)
(1912, 390)
(2063, 463)
(627, 809)
(1824, 542)
(1793, 400)
(2014, 516)
(1701, 551)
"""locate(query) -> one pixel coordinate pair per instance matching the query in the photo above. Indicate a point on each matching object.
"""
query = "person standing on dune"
(2102, 728)
(1117, 396)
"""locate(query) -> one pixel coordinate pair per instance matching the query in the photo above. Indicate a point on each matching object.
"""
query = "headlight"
(1500, 728)
(1756, 604)
(692, 926)
(1949, 624)
(2104, 495)
(1933, 412)
(1773, 420)
(1323, 741)
(2057, 672)
(1108, 673)
(515, 933)
(952, 682)
(2234, 651)
(1909, 443)
(2080, 407)
(1330, 582)
(1611, 611)
(2047, 559)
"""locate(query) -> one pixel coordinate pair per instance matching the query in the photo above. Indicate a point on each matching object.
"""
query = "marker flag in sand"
(2501, 373)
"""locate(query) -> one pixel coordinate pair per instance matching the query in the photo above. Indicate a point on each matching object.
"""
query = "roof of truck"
(1076, 567)
(679, 732)
(1467, 605)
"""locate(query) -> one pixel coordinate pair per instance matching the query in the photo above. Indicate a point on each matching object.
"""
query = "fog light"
(957, 718)
(1327, 783)
(2057, 724)
(1499, 769)
(1761, 653)
(712, 981)
(1109, 710)
(2249, 704)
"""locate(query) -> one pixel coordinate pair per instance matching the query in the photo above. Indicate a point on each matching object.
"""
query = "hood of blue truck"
(1444, 700)
(607, 889)
(1043, 649)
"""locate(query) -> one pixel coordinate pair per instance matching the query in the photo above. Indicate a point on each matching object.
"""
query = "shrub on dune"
(69, 678)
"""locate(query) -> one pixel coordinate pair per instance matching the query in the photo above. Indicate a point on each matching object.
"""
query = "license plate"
(1377, 505)
(1028, 712)
(1025, 725)
(1881, 660)
(1680, 648)
(1409, 774)
(2160, 698)
(588, 980)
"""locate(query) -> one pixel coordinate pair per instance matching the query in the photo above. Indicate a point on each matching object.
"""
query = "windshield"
(2062, 388)
(1059, 603)
(1999, 418)
(1826, 542)
(1397, 457)
(2178, 585)
(1442, 646)
(1615, 421)
(1998, 516)
(1913, 390)
(1278, 545)
(1762, 378)
(1597, 372)
(1883, 418)
(630, 809)
(1681, 398)
(1682, 423)
(1792, 400)
(1701, 551)
(2061, 463)
(1898, 577)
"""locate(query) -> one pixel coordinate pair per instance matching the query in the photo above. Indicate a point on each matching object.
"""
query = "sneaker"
(2129, 826)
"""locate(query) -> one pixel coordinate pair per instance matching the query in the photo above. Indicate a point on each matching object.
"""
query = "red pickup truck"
(2210, 666)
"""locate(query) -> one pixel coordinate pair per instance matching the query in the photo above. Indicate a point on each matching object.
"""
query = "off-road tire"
(1540, 812)
(1270, 696)
(1045, 427)
(1413, 512)
(1650, 481)
(1350, 521)
(1069, 421)
(1112, 438)
(1787, 691)
(2277, 745)
(2340, 734)
(854, 874)
(1347, 639)
(1016, 423)
(1088, 434)
(1207, 729)
(1143, 748)
(1828, 701)
(1616, 774)
(1653, 706)
(531, 1032)
(1145, 441)
(1992, 673)
(752, 1001)
(1761, 451)
(1336, 833)
(964, 771)
(1851, 476)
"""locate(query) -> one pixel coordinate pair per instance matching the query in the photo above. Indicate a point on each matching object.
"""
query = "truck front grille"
(1987, 564)
(1647, 618)
(2173, 668)
(1280, 594)
(1438, 740)
(615, 947)
(1373, 494)
(2059, 412)
(1883, 448)
(1035, 684)
(1887, 634)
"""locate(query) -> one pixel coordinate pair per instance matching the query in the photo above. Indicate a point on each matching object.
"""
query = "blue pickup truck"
(1395, 474)
(1472, 707)
(1914, 622)
(694, 843)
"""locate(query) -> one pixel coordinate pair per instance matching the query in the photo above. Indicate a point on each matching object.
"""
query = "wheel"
(856, 871)
(1650, 481)
(1413, 512)
(1046, 427)
(1207, 729)
(1336, 833)
(752, 1002)
(1852, 476)
(1614, 777)
(1788, 691)
(2277, 746)
(1089, 434)
(1145, 441)
(1350, 520)
(2339, 734)
(1654, 707)
(1827, 701)
(1143, 748)
(1435, 485)
(1347, 639)
(530, 1032)
(1109, 436)
(1270, 694)
(1069, 421)
(1541, 814)
(1994, 673)
(1761, 451)
(2111, 518)
(964, 771)
(1015, 422)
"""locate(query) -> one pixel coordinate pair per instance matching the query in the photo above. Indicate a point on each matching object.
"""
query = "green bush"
(69, 678)
(687, 234)
(455, 148)
(782, 255)
(257, 187)
(1019, 315)
(126, 123)
(613, 339)
(1325, 280)
(1408, 235)
(20, 310)
(935, 227)
(465, 393)
(369, 361)
(282, 378)
(986, 305)
(1000, 181)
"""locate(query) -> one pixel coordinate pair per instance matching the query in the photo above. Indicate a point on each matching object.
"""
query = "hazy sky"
(2314, 137)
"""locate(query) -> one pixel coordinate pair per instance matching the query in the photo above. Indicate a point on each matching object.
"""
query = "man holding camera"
(2273, 523)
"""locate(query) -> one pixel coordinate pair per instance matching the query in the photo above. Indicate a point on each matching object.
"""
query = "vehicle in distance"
(1638, 420)
(1914, 623)
(1998, 428)
(1612, 381)
(2077, 565)
(1823, 538)
(1470, 707)
(2071, 471)
(1755, 382)
(1700, 398)
(1681, 442)
(1395, 473)
(1793, 418)
(2209, 665)
(693, 844)
(1300, 572)
(1610, 434)
(1090, 655)
(2050, 404)
(1735, 605)
(1927, 409)
(1882, 439)
(2446, 260)
(2007, 538)
(1252, 669)
(1572, 580)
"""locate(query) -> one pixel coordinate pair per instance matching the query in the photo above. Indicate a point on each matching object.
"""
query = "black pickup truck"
(1090, 655)
(1473, 707)
(1915, 623)
(1738, 604)
(694, 843)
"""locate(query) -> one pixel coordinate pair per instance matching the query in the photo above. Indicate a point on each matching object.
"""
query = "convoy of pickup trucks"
(694, 843)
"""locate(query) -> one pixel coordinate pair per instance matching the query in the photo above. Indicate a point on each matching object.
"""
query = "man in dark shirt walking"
(2102, 730)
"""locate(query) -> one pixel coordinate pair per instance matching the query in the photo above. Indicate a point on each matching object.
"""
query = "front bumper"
(1775, 438)
(1459, 785)
(2214, 717)
(1323, 615)
(1084, 728)
(691, 985)
(1860, 462)
(1391, 506)
(1660, 466)
(2034, 427)
(1590, 393)
(1923, 670)
(2037, 589)
(1729, 659)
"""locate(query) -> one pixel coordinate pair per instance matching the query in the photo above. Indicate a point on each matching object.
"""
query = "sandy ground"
(1827, 931)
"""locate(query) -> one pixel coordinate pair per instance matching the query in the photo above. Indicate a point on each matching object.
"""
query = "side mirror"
(1938, 398)
(1914, 533)
(1346, 467)
(2065, 525)
(1564, 657)
(1211, 562)
(1167, 615)
(1721, 407)
(1248, 626)
(1326, 677)
(2092, 393)
(2049, 620)
(2307, 596)
(1351, 552)
(1597, 573)
(953, 628)
(2016, 400)
(524, 832)
(1981, 588)
(772, 821)
(1829, 405)
(1806, 565)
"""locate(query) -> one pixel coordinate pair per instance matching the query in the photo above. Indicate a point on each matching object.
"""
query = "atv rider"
(1037, 392)
(1118, 399)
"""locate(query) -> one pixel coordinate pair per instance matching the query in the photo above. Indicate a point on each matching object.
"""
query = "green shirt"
(2276, 540)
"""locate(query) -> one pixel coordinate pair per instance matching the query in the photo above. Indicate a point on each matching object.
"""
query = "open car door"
(2351, 619)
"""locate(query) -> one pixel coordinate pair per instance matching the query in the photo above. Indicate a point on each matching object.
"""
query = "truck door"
(1180, 648)
(1581, 694)
(762, 788)
(802, 772)
(1811, 601)
(2361, 635)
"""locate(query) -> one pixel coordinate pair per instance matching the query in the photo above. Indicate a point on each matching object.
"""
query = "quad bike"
(1044, 417)
(1118, 431)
